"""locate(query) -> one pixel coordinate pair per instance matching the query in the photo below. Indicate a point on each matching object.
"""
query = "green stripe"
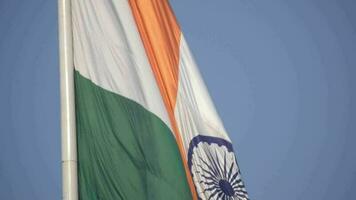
(124, 151)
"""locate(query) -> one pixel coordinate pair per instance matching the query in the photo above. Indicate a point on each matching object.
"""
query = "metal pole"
(69, 142)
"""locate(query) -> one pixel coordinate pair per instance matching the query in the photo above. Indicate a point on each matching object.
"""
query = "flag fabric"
(146, 126)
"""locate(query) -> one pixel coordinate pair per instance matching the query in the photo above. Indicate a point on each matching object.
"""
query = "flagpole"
(68, 133)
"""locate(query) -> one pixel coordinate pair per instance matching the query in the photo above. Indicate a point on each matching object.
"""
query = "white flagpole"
(69, 142)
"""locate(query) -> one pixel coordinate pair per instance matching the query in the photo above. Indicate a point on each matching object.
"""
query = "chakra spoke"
(243, 195)
(214, 193)
(237, 181)
(239, 186)
(220, 195)
(208, 172)
(230, 171)
(234, 177)
(212, 188)
(210, 167)
(219, 166)
(209, 178)
(241, 191)
(225, 170)
(209, 183)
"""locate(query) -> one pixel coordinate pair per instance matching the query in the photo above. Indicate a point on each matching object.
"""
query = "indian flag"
(146, 126)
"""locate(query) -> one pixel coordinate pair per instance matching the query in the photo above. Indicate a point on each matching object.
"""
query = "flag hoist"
(137, 119)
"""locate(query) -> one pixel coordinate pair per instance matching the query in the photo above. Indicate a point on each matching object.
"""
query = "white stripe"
(195, 112)
(196, 115)
(108, 51)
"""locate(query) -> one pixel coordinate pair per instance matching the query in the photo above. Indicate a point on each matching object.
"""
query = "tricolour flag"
(146, 126)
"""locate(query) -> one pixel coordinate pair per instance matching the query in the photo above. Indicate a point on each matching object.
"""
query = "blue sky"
(281, 74)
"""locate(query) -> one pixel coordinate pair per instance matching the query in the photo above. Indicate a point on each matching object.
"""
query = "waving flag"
(146, 126)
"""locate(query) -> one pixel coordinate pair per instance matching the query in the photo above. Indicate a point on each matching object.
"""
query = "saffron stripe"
(161, 35)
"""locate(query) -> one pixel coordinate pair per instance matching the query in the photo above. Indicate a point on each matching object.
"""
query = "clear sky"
(281, 74)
